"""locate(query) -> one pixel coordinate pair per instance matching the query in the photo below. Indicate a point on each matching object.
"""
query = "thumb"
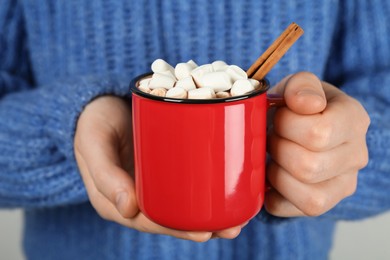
(99, 148)
(303, 93)
(109, 178)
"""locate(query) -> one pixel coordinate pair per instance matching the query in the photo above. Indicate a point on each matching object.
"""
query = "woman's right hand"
(104, 152)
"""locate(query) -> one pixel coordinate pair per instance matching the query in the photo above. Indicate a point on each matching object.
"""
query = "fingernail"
(309, 92)
(306, 92)
(121, 201)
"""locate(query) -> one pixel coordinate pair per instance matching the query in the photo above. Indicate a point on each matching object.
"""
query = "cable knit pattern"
(56, 56)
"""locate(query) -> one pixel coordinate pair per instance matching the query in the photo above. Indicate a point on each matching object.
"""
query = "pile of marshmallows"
(190, 81)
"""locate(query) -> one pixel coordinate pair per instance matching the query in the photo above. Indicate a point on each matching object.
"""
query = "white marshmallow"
(222, 94)
(241, 87)
(236, 72)
(218, 81)
(160, 80)
(219, 65)
(192, 63)
(144, 88)
(169, 73)
(201, 93)
(161, 65)
(159, 92)
(255, 83)
(198, 72)
(145, 81)
(183, 70)
(186, 83)
(176, 92)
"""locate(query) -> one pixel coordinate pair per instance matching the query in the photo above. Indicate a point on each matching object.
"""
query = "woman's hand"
(317, 145)
(104, 153)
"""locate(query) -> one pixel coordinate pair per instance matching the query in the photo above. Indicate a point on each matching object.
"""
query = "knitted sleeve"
(361, 67)
(37, 124)
(14, 73)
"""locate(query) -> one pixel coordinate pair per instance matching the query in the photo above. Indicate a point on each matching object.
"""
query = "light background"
(367, 239)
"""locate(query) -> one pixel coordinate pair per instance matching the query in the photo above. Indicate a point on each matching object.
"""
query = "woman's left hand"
(317, 145)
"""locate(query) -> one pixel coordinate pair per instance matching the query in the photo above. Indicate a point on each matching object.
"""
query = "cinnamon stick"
(275, 52)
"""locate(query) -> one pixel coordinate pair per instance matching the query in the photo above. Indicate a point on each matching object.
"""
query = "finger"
(342, 120)
(303, 93)
(108, 211)
(143, 224)
(92, 192)
(228, 233)
(101, 204)
(317, 132)
(311, 199)
(313, 167)
(100, 152)
(277, 205)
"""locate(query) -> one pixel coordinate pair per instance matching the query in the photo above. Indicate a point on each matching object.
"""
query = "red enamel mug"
(200, 164)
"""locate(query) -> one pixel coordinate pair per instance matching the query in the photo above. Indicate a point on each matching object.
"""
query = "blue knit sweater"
(56, 56)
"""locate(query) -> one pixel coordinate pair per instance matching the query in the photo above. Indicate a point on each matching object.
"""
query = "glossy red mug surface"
(200, 164)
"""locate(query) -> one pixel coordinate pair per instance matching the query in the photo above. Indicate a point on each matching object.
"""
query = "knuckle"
(309, 169)
(315, 204)
(364, 158)
(320, 135)
(360, 157)
(366, 120)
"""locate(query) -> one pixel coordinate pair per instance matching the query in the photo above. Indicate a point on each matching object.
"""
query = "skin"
(317, 144)
(103, 146)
